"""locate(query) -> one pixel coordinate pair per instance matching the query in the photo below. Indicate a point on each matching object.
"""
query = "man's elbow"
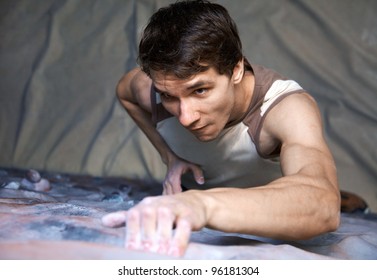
(334, 217)
(324, 220)
(333, 221)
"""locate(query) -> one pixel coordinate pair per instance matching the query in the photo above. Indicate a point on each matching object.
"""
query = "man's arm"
(133, 92)
(303, 203)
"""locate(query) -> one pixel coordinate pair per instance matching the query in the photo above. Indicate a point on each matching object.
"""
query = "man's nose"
(187, 113)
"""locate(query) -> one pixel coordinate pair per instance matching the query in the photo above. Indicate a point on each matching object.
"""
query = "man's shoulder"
(141, 82)
(265, 76)
(271, 88)
(141, 86)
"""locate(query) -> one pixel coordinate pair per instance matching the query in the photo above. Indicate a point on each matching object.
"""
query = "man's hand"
(161, 224)
(177, 167)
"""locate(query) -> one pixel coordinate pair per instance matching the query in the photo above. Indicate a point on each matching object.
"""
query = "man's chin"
(205, 137)
(205, 134)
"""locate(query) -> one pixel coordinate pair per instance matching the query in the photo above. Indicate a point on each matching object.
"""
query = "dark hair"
(189, 37)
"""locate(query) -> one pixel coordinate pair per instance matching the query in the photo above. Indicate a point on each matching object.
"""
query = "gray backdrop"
(61, 60)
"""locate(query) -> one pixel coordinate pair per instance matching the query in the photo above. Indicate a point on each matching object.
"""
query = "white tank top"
(233, 159)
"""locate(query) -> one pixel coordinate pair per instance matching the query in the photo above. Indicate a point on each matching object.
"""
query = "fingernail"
(200, 180)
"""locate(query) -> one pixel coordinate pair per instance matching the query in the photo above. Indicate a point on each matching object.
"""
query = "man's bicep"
(296, 123)
(307, 160)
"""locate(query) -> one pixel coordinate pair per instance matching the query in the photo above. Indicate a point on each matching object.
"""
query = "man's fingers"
(177, 188)
(164, 229)
(198, 174)
(133, 233)
(167, 188)
(148, 228)
(172, 184)
(181, 238)
(115, 219)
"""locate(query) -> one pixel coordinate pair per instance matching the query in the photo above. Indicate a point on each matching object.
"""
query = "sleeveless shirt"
(234, 158)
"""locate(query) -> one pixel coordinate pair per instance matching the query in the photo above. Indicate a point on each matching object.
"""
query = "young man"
(245, 141)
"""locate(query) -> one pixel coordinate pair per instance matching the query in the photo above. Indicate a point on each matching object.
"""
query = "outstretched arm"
(303, 203)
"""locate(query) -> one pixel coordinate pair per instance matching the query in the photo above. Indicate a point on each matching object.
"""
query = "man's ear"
(238, 72)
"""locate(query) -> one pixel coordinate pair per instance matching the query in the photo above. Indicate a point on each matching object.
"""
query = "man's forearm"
(143, 120)
(285, 209)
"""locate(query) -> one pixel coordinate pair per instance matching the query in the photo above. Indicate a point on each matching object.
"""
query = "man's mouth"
(197, 128)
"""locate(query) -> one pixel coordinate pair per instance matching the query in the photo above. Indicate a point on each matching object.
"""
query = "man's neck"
(244, 93)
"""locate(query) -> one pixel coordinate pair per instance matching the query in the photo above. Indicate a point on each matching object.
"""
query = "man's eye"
(165, 96)
(200, 91)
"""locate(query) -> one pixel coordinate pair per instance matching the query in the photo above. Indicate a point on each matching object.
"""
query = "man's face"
(202, 103)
